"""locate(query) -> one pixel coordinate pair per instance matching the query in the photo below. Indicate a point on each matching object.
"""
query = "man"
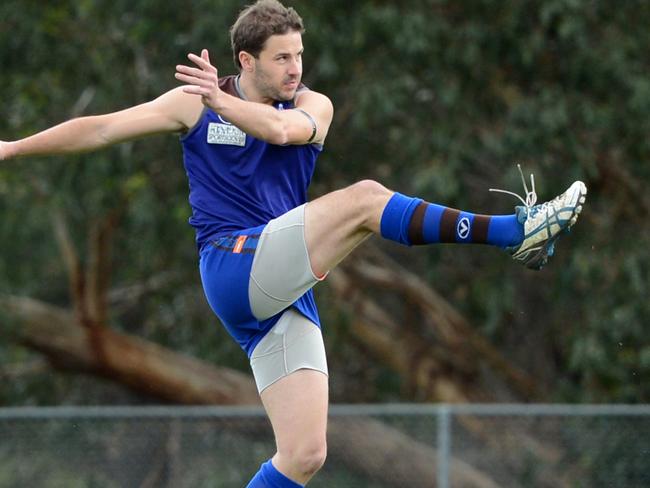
(250, 144)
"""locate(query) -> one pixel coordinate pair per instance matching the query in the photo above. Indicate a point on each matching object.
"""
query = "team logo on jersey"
(225, 134)
(463, 228)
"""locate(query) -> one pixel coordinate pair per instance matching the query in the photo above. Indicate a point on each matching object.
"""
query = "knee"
(309, 458)
(313, 459)
(365, 189)
(367, 199)
(367, 196)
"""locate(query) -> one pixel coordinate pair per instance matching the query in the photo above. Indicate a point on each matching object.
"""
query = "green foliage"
(433, 97)
(440, 99)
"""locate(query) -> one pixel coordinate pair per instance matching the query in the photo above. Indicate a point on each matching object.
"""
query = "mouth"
(291, 84)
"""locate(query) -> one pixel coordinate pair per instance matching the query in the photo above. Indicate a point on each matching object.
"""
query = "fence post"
(444, 445)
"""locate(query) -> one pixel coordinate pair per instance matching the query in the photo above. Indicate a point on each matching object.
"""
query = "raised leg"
(338, 222)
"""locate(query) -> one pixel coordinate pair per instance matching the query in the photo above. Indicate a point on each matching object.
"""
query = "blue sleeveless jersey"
(238, 182)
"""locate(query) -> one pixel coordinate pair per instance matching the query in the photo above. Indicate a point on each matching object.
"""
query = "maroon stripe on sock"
(448, 225)
(480, 228)
(416, 234)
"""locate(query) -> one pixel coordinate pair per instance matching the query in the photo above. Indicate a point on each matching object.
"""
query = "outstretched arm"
(174, 111)
(4, 150)
(313, 110)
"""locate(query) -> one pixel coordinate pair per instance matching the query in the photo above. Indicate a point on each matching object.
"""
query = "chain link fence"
(382, 446)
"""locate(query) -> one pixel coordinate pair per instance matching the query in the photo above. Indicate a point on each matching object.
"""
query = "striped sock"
(412, 221)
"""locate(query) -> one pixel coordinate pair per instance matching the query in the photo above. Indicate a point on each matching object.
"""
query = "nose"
(295, 67)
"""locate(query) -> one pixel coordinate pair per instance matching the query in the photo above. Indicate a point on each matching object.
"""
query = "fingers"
(202, 62)
(202, 80)
(193, 80)
(196, 76)
(195, 72)
(197, 86)
(196, 90)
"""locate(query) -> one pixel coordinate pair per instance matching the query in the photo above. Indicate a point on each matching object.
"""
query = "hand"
(203, 80)
(4, 150)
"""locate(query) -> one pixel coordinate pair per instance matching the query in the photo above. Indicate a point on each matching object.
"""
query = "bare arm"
(262, 121)
(4, 150)
(172, 112)
(280, 126)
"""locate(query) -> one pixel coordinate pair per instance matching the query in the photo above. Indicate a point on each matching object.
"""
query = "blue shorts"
(278, 251)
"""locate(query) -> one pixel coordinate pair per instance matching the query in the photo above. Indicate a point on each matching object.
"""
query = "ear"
(247, 61)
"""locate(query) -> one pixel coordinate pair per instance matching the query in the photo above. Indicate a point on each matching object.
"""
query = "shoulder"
(313, 101)
(305, 94)
(183, 107)
(188, 108)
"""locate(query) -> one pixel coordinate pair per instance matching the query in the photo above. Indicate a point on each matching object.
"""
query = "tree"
(433, 98)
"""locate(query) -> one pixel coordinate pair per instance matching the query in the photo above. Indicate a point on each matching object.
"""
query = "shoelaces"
(530, 196)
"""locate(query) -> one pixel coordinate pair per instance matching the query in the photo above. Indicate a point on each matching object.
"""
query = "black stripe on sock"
(416, 233)
(448, 225)
(480, 229)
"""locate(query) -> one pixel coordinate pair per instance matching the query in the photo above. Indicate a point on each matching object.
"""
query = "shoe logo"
(463, 227)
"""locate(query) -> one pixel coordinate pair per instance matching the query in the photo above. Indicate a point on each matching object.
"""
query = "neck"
(248, 91)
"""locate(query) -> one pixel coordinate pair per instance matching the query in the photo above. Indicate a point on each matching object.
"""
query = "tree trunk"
(436, 350)
(392, 458)
(362, 444)
(139, 364)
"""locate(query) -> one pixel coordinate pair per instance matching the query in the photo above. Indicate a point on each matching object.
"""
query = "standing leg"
(297, 408)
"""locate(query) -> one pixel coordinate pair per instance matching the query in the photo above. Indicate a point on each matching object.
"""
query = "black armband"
(313, 124)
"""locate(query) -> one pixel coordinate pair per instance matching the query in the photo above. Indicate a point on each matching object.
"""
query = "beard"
(265, 86)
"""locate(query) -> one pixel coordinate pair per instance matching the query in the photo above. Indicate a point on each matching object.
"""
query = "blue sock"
(269, 477)
(413, 221)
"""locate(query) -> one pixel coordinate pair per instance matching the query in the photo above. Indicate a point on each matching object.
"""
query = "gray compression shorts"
(281, 273)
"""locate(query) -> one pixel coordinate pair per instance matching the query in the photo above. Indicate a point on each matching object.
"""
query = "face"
(278, 69)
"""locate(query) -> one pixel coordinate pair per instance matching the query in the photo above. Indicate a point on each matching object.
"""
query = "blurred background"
(100, 296)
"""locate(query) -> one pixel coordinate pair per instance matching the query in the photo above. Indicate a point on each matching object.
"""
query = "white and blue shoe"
(544, 223)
